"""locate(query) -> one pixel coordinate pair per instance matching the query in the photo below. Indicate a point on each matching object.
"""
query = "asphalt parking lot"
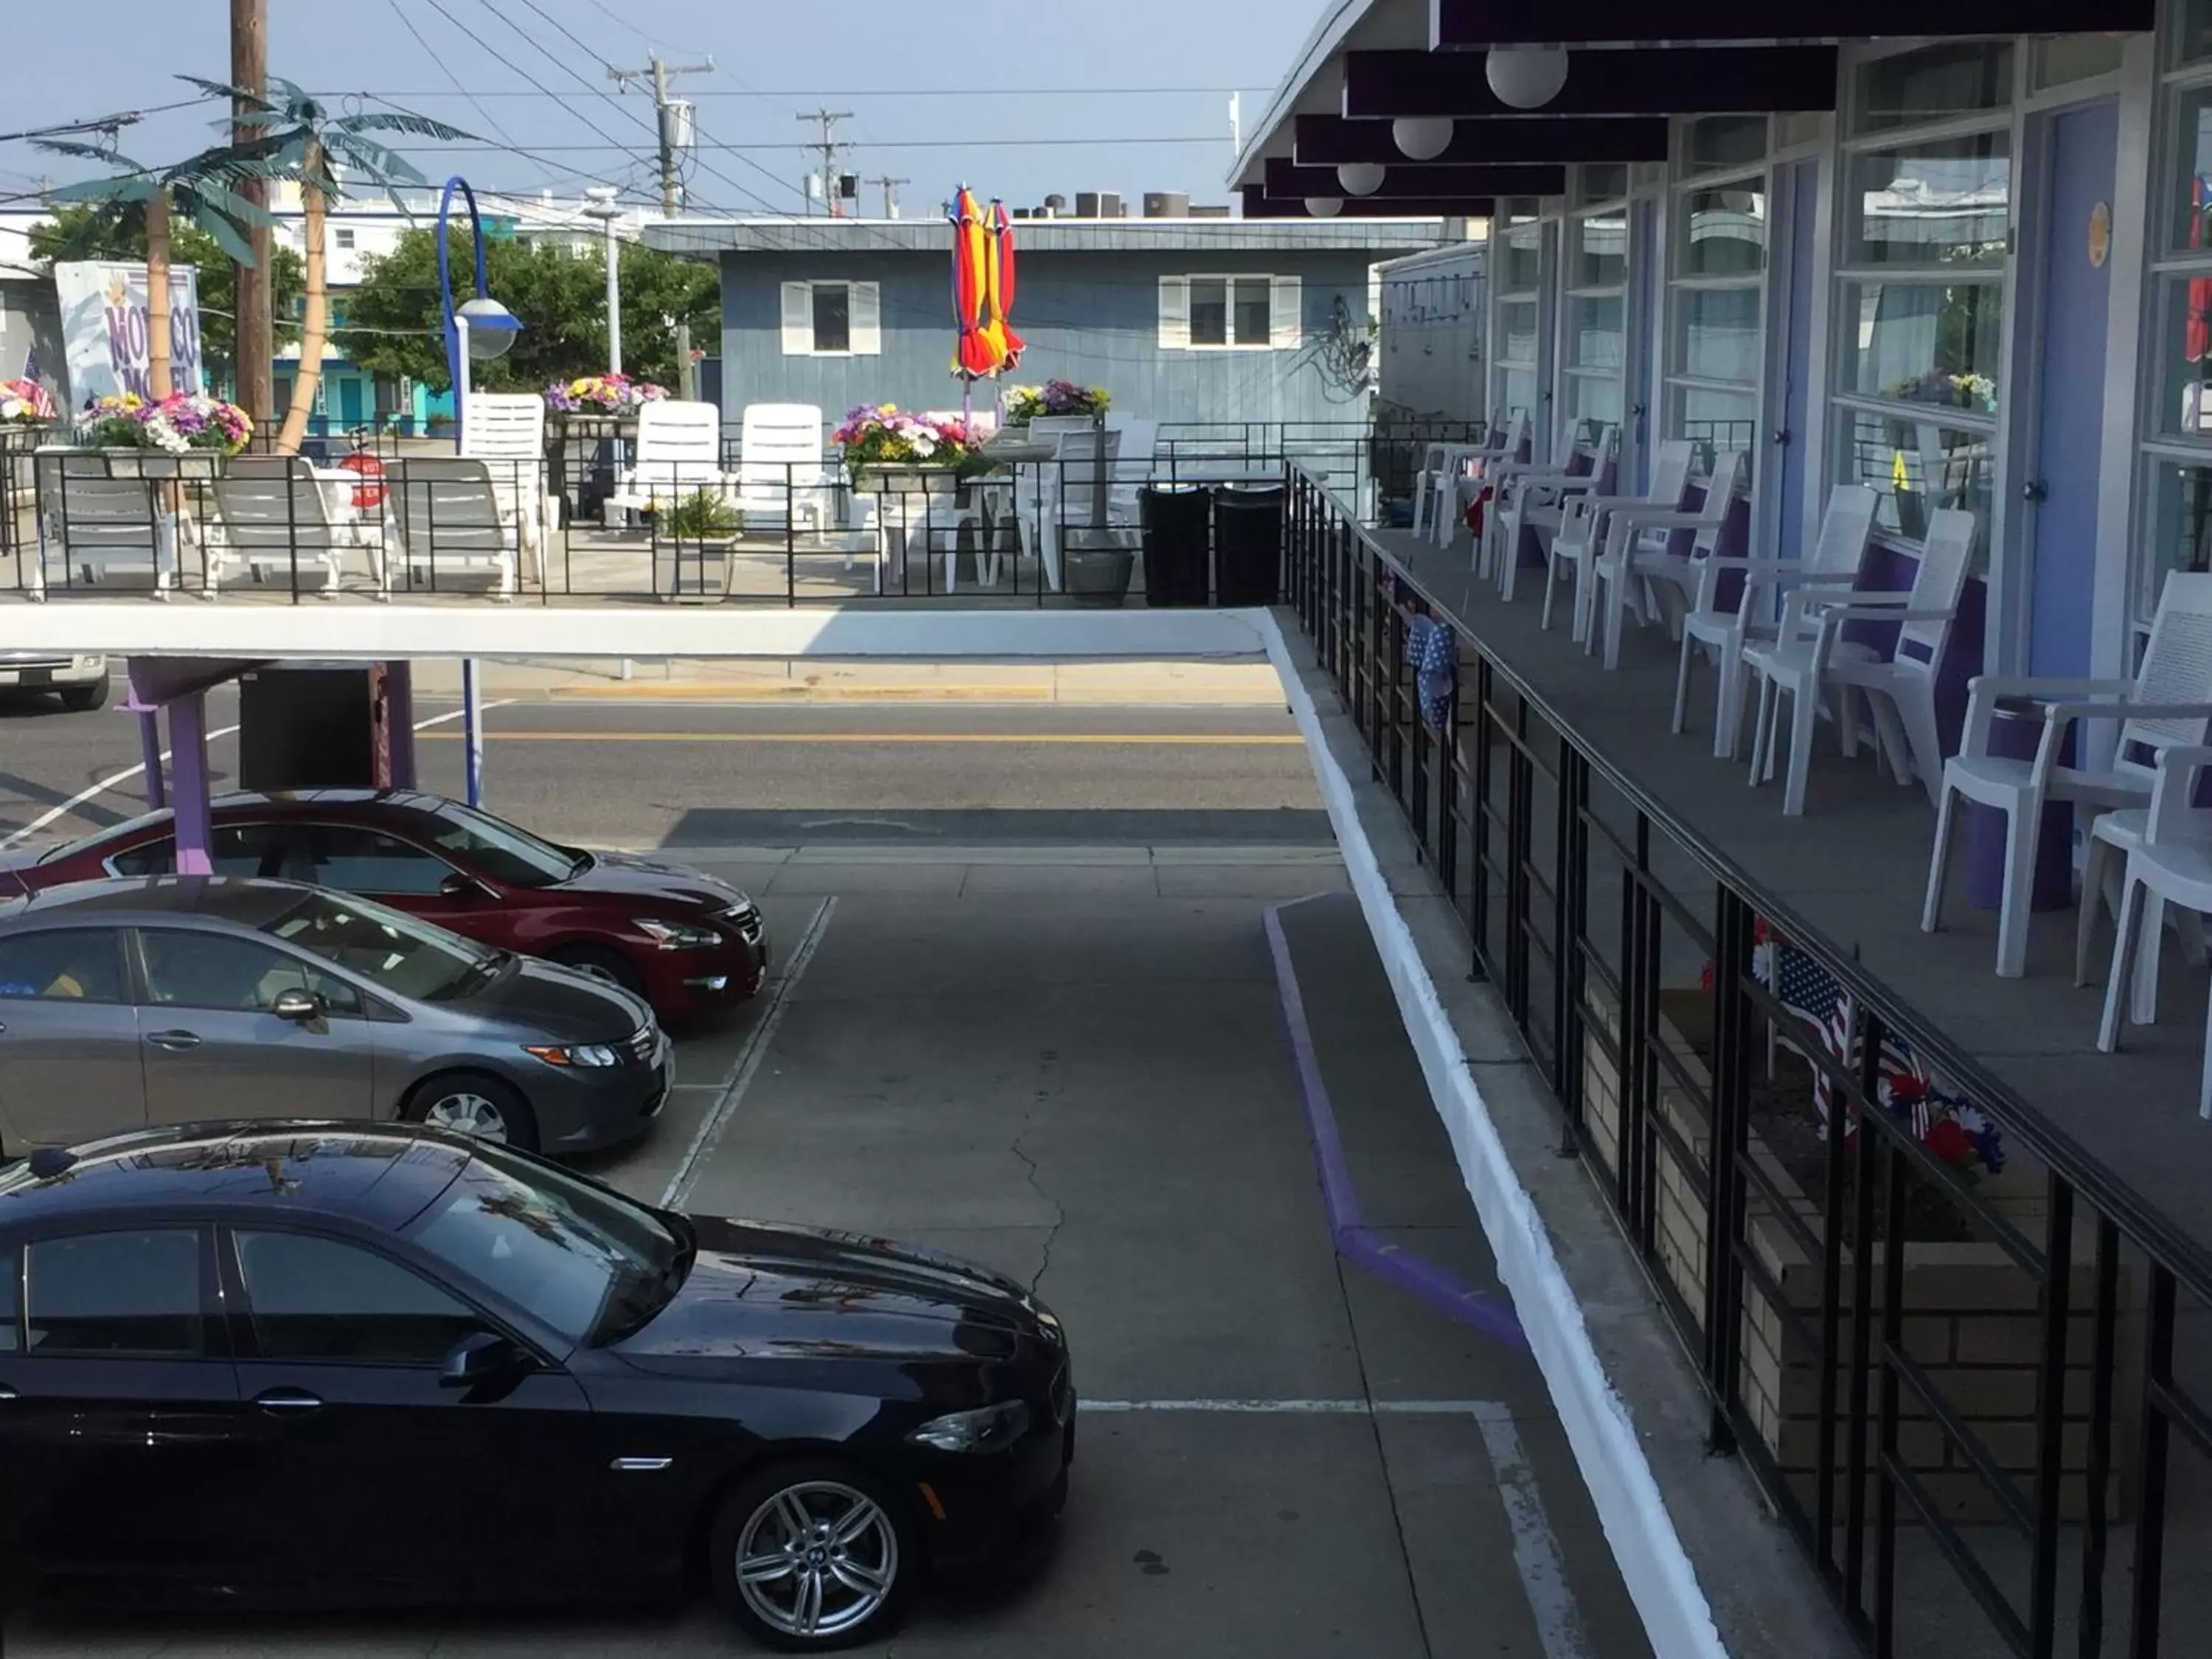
(1307, 1427)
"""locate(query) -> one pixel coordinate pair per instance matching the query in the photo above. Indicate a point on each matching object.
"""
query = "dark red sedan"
(685, 942)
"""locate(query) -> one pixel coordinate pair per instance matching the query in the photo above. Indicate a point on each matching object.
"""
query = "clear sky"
(1006, 97)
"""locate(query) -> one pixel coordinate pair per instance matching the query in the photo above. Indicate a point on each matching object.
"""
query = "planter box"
(693, 572)
(1970, 1316)
(1097, 576)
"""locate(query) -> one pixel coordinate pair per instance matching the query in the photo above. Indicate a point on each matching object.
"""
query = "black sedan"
(352, 1364)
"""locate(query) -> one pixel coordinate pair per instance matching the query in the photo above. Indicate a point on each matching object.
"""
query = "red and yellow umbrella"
(999, 291)
(977, 354)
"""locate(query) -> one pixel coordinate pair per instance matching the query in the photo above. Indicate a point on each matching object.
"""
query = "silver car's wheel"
(467, 1113)
(817, 1560)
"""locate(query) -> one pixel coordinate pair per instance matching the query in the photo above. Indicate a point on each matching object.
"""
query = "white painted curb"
(1657, 1570)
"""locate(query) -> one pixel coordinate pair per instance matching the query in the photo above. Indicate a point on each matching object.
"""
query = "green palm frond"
(254, 101)
(125, 190)
(419, 126)
(86, 153)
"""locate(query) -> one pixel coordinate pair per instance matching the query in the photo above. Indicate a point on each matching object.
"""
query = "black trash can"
(1177, 521)
(1247, 545)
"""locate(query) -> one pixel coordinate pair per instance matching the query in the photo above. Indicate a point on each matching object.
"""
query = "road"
(1070, 1009)
(640, 773)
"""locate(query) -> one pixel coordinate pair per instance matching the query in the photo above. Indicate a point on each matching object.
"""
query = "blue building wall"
(1090, 317)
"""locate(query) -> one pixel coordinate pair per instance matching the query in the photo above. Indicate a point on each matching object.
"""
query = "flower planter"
(1097, 576)
(693, 570)
(1968, 1319)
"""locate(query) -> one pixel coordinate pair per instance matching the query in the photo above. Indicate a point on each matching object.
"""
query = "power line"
(407, 24)
(882, 92)
(827, 119)
(872, 143)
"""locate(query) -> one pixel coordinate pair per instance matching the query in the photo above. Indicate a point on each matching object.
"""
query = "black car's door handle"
(285, 1402)
(175, 1042)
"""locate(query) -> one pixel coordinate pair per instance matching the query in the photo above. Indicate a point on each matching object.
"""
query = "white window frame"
(1542, 228)
(864, 308)
(1571, 374)
(1285, 311)
(341, 236)
(1685, 180)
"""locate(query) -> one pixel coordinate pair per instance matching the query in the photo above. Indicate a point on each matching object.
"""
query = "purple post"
(188, 757)
(149, 750)
(399, 721)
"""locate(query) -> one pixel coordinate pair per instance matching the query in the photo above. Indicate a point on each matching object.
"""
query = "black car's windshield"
(587, 1261)
(407, 957)
(502, 851)
(130, 829)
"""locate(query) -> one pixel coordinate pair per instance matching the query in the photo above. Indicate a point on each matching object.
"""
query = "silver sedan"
(171, 999)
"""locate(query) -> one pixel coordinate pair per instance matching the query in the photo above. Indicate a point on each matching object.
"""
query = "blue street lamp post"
(479, 328)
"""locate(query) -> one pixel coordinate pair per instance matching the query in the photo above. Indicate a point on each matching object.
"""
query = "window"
(1715, 299)
(1946, 204)
(407, 957)
(237, 849)
(217, 971)
(2064, 59)
(1596, 341)
(344, 236)
(11, 1293)
(75, 964)
(1518, 315)
(1917, 464)
(501, 850)
(832, 319)
(1935, 83)
(355, 860)
(2174, 466)
(1231, 312)
(114, 1293)
(320, 1298)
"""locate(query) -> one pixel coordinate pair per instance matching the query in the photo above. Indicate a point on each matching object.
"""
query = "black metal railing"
(378, 516)
(1962, 1360)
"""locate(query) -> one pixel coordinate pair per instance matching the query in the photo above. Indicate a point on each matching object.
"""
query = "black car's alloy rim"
(817, 1559)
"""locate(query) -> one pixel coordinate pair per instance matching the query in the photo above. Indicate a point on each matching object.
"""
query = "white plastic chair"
(1462, 468)
(2170, 864)
(450, 520)
(273, 509)
(1531, 502)
(1135, 463)
(678, 454)
(1636, 565)
(783, 475)
(507, 431)
(1064, 499)
(1809, 654)
(1723, 634)
(2167, 705)
(1579, 552)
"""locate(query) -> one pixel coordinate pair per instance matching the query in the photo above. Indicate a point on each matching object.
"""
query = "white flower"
(925, 446)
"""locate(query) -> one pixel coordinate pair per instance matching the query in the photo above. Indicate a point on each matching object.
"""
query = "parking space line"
(748, 1062)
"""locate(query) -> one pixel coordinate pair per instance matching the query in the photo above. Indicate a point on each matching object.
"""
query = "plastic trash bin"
(1177, 523)
(1247, 545)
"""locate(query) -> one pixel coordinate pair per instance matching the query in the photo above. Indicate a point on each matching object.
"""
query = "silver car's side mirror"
(298, 1005)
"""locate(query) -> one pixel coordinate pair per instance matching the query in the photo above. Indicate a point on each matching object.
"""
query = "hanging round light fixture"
(1361, 178)
(1422, 138)
(1526, 77)
(1324, 207)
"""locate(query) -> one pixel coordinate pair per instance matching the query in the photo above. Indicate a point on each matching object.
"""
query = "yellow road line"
(649, 691)
(1111, 740)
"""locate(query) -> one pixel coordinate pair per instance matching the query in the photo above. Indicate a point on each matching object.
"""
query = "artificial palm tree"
(201, 189)
(298, 138)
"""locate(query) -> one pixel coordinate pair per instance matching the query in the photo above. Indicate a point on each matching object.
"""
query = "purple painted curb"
(1355, 1240)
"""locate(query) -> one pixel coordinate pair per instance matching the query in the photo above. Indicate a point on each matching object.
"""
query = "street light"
(602, 207)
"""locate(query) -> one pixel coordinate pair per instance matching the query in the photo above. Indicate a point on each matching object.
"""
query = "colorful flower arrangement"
(1026, 403)
(1975, 392)
(879, 435)
(601, 394)
(26, 403)
(178, 424)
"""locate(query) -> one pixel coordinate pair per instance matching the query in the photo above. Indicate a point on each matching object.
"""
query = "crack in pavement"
(1030, 1165)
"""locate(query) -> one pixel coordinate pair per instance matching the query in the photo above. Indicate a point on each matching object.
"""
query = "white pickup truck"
(82, 682)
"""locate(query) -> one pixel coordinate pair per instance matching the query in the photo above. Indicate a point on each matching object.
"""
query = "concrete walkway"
(1236, 682)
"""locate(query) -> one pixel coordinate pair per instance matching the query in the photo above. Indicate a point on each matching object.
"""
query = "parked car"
(133, 1002)
(350, 1363)
(685, 942)
(80, 680)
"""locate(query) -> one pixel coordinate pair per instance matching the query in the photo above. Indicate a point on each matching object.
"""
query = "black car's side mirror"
(297, 1006)
(482, 1359)
(459, 886)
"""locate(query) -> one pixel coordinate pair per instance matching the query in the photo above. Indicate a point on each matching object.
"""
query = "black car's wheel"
(608, 967)
(815, 1554)
(81, 699)
(472, 1103)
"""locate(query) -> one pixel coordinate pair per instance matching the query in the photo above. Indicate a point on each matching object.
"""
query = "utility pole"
(890, 194)
(254, 327)
(673, 123)
(829, 147)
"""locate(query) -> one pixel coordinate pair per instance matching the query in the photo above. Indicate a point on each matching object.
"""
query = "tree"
(559, 297)
(72, 233)
(298, 138)
(146, 202)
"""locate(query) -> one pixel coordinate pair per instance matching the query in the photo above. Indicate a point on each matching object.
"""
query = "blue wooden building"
(1183, 320)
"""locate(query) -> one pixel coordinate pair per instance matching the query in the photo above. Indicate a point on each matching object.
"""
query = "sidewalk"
(1239, 682)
